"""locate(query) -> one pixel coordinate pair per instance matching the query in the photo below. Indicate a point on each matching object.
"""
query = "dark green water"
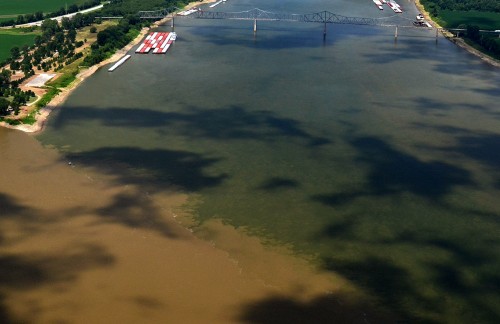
(379, 159)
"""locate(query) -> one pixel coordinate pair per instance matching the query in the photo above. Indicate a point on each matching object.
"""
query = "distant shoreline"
(43, 113)
(458, 41)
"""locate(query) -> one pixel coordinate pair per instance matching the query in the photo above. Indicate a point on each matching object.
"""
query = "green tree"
(15, 52)
(15, 65)
(4, 106)
(4, 81)
(71, 35)
(49, 28)
(66, 23)
(20, 20)
(473, 32)
(38, 15)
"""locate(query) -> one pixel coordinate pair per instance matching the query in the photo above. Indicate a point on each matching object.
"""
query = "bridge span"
(259, 14)
(325, 17)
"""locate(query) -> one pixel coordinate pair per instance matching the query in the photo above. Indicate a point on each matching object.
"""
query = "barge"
(120, 62)
(157, 42)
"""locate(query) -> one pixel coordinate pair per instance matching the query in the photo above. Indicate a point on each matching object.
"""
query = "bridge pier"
(255, 25)
(324, 31)
(396, 34)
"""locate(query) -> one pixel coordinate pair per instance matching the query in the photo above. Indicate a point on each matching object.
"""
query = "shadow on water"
(21, 272)
(427, 106)
(400, 287)
(156, 168)
(135, 211)
(389, 282)
(27, 271)
(9, 207)
(277, 183)
(425, 49)
(392, 172)
(332, 308)
(482, 147)
(231, 123)
(11, 210)
(416, 272)
(493, 92)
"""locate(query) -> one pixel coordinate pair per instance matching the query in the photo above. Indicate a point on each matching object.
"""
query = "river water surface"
(375, 160)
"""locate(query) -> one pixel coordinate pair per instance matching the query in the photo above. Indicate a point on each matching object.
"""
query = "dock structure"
(157, 42)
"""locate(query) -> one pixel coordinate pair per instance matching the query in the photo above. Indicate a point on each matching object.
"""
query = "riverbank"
(43, 113)
(456, 40)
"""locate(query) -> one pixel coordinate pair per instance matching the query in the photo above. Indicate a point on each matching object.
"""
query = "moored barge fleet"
(391, 3)
(157, 42)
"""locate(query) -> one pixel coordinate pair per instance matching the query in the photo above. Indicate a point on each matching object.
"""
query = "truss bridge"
(257, 14)
(324, 17)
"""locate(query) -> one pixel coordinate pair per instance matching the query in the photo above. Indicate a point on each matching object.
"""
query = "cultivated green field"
(13, 8)
(9, 39)
(485, 20)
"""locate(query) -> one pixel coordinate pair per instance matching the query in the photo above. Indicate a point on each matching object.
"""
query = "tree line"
(127, 7)
(434, 6)
(490, 43)
(113, 38)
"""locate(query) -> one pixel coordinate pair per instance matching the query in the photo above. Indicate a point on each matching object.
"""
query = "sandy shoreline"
(43, 113)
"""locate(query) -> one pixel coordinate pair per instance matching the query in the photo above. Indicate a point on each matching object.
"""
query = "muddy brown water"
(68, 254)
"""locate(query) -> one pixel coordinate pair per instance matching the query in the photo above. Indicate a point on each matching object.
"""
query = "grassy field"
(10, 38)
(485, 20)
(12, 8)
